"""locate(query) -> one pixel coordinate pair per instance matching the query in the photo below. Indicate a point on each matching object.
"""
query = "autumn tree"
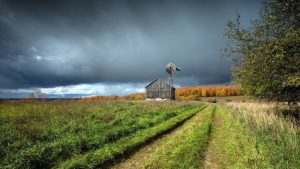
(266, 56)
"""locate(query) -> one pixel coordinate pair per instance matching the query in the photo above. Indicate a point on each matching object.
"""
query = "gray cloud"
(57, 43)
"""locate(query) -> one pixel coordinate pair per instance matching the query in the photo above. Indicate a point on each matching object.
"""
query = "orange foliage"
(182, 93)
(195, 92)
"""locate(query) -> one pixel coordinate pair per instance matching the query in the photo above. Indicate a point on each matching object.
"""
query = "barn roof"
(151, 83)
(155, 81)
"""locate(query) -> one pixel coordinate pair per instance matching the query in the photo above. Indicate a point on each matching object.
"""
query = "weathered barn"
(158, 89)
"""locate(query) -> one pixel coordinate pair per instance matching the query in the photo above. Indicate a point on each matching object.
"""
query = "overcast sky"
(93, 47)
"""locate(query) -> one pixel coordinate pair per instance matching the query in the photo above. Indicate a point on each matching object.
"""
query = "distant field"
(196, 93)
(147, 134)
(226, 99)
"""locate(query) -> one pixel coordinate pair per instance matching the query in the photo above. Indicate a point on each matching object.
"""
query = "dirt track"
(140, 157)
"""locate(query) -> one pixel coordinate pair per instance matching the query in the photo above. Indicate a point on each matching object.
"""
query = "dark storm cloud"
(54, 43)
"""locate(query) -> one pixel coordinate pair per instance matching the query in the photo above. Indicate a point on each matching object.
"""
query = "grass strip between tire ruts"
(110, 151)
(187, 151)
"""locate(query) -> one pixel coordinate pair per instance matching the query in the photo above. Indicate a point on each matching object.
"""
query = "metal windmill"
(171, 68)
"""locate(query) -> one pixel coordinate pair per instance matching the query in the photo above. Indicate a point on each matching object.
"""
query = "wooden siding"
(160, 89)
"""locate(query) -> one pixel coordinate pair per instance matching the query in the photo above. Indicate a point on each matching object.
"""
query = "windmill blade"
(178, 68)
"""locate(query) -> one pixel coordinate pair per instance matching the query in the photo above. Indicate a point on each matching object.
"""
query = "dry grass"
(276, 137)
(262, 114)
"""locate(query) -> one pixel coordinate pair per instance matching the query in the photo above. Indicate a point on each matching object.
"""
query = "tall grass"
(276, 138)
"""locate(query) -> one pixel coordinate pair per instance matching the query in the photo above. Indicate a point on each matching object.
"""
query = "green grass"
(233, 146)
(74, 134)
(41, 135)
(187, 151)
(277, 139)
(110, 151)
(254, 136)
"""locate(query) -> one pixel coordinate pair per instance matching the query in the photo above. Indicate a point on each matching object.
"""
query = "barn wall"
(159, 89)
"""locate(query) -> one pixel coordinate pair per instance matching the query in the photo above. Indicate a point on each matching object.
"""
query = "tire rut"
(210, 152)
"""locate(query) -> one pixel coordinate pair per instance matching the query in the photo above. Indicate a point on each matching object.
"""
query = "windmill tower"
(171, 69)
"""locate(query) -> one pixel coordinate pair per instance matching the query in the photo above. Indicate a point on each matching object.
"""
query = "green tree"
(266, 56)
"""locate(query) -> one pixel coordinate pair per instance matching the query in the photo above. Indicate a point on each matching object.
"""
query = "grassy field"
(274, 139)
(45, 135)
(187, 150)
(253, 135)
(146, 134)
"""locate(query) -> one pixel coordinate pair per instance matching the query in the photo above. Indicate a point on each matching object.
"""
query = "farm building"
(158, 89)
